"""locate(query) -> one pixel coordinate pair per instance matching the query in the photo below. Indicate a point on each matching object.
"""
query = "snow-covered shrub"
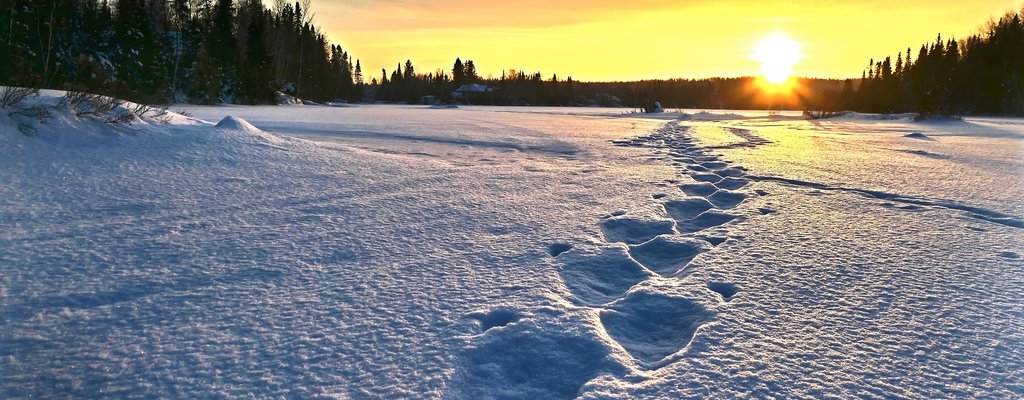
(109, 109)
(822, 114)
(12, 99)
(12, 96)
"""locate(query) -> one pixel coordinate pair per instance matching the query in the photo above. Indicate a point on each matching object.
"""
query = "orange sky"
(599, 40)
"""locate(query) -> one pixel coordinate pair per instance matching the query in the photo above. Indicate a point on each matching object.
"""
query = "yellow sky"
(600, 40)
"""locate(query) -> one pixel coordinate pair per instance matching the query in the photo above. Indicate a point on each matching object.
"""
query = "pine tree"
(410, 72)
(471, 75)
(358, 74)
(458, 72)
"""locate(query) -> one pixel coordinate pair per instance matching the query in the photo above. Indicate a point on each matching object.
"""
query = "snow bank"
(856, 116)
(50, 118)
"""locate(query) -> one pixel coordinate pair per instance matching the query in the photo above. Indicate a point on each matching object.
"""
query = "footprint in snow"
(726, 199)
(725, 289)
(491, 319)
(651, 326)
(596, 276)
(634, 230)
(686, 209)
(730, 172)
(556, 249)
(732, 183)
(706, 220)
(1009, 254)
(699, 189)
(706, 177)
(668, 254)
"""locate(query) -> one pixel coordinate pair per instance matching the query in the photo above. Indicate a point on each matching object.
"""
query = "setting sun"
(777, 54)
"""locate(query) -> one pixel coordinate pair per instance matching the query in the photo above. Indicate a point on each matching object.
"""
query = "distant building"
(472, 93)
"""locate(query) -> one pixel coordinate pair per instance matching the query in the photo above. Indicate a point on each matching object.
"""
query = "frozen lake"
(488, 252)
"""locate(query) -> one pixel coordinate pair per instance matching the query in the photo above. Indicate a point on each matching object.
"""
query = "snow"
(236, 124)
(486, 252)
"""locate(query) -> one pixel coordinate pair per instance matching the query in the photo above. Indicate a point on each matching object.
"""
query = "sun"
(777, 54)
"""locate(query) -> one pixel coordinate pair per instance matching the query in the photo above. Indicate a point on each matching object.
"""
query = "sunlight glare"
(777, 54)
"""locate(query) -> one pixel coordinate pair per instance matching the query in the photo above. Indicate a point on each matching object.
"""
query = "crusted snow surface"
(486, 252)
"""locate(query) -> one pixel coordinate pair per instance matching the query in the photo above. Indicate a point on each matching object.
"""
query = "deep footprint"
(494, 319)
(634, 230)
(708, 219)
(726, 199)
(668, 254)
(599, 275)
(732, 183)
(730, 172)
(652, 326)
(682, 210)
(714, 240)
(699, 189)
(712, 178)
(725, 289)
(531, 365)
(555, 249)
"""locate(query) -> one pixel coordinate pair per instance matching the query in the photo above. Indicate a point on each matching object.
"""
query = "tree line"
(518, 87)
(161, 51)
(241, 51)
(981, 74)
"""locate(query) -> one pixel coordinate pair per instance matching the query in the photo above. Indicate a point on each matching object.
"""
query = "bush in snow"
(11, 96)
(13, 99)
(109, 109)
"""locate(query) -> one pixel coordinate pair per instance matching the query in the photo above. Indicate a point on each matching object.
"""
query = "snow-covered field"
(408, 252)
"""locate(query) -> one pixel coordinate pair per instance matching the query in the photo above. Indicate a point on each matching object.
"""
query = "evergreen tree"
(458, 72)
(470, 74)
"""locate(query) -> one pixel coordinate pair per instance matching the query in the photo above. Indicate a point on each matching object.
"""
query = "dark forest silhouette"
(201, 51)
(212, 51)
(982, 74)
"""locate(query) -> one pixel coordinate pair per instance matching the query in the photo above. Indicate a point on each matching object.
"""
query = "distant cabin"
(472, 93)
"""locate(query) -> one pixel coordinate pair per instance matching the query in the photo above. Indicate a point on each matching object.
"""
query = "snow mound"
(286, 99)
(237, 124)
